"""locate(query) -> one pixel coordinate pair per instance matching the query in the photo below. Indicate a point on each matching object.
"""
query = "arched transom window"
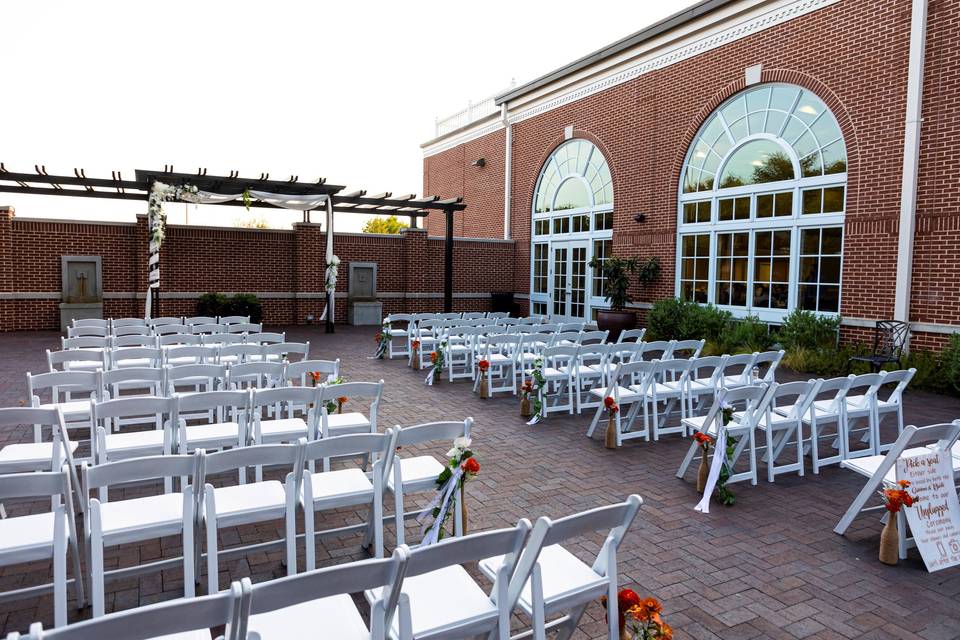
(761, 205)
(572, 223)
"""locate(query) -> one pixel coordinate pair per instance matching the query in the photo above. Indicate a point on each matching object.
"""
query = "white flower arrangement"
(156, 218)
(460, 445)
(330, 281)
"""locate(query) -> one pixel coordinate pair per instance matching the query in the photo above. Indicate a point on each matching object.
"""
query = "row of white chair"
(91, 359)
(420, 593)
(407, 327)
(116, 323)
(162, 329)
(171, 340)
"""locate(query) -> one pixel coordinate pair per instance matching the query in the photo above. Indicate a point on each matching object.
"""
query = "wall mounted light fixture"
(640, 217)
(479, 162)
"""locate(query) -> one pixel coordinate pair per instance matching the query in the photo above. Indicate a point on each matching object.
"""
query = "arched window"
(761, 205)
(572, 223)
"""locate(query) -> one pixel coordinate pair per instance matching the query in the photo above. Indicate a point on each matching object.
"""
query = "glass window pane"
(740, 269)
(809, 107)
(738, 294)
(742, 209)
(702, 268)
(741, 244)
(686, 290)
(833, 199)
(757, 99)
(810, 241)
(781, 270)
(686, 269)
(830, 270)
(810, 165)
(812, 201)
(832, 241)
(807, 297)
(784, 203)
(700, 292)
(778, 296)
(703, 245)
(761, 295)
(761, 269)
(723, 293)
(835, 158)
(781, 243)
(763, 246)
(688, 245)
(572, 194)
(765, 206)
(690, 212)
(829, 299)
(726, 209)
(783, 97)
(757, 162)
(808, 270)
(826, 129)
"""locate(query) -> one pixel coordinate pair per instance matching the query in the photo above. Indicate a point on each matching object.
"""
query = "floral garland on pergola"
(156, 218)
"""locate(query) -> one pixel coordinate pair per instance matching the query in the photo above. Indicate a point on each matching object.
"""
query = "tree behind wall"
(388, 225)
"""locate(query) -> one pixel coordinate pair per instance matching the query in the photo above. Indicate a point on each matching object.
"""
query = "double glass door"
(568, 280)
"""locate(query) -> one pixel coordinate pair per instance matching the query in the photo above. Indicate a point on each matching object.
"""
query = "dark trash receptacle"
(502, 302)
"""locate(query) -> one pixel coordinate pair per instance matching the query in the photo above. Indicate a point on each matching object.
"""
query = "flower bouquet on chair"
(610, 437)
(414, 354)
(436, 368)
(484, 366)
(383, 341)
(462, 466)
(705, 442)
(893, 500)
(525, 390)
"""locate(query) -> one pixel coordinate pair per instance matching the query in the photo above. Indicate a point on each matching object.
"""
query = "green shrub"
(212, 304)
(931, 371)
(950, 360)
(807, 330)
(746, 335)
(674, 319)
(246, 304)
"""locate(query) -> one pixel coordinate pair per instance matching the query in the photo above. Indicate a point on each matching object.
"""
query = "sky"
(344, 90)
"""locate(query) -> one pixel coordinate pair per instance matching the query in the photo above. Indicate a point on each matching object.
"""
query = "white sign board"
(934, 520)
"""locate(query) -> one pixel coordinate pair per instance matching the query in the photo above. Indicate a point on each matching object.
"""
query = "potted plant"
(616, 289)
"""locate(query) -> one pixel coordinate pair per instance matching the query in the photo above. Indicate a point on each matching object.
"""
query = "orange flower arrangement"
(415, 344)
(646, 621)
(626, 598)
(378, 337)
(483, 365)
(611, 404)
(527, 387)
(702, 439)
(433, 357)
(342, 400)
(315, 376)
(893, 499)
(470, 466)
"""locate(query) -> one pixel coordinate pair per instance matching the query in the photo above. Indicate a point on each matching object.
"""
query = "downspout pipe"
(507, 170)
(911, 161)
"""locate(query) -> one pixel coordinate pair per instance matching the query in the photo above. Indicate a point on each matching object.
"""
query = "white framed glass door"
(568, 280)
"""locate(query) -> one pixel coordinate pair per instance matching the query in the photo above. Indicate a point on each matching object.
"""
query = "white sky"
(344, 90)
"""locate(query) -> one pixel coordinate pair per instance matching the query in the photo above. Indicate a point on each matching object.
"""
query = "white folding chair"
(134, 357)
(779, 427)
(861, 403)
(90, 343)
(245, 327)
(704, 380)
(180, 619)
(207, 328)
(281, 351)
(498, 315)
(171, 329)
(234, 354)
(195, 320)
(893, 403)
(766, 363)
(738, 370)
(400, 333)
(286, 607)
(255, 375)
(821, 413)
(474, 315)
(593, 337)
(881, 472)
(76, 360)
(109, 447)
(87, 330)
(156, 323)
(565, 326)
(459, 354)
(266, 338)
(137, 519)
(89, 322)
(233, 319)
(222, 339)
(144, 381)
(656, 350)
(443, 600)
(347, 487)
(223, 420)
(69, 391)
(250, 502)
(338, 424)
(179, 355)
(687, 348)
(42, 536)
(503, 354)
(285, 426)
(628, 387)
(19, 457)
(128, 322)
(195, 378)
(560, 372)
(671, 379)
(131, 330)
(631, 335)
(299, 372)
(560, 581)
(417, 474)
(134, 340)
(743, 427)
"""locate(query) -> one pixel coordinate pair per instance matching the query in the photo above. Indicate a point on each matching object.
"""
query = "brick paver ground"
(769, 567)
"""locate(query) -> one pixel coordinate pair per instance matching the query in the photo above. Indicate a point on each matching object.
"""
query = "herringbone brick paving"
(769, 567)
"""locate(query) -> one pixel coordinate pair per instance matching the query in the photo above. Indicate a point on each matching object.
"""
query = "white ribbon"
(284, 201)
(446, 493)
(429, 379)
(331, 293)
(719, 457)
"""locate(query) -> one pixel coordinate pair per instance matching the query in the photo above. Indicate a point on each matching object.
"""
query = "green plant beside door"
(616, 273)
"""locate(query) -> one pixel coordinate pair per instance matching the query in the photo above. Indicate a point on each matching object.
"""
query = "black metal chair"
(889, 338)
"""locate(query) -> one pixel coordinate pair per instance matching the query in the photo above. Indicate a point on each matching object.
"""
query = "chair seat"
(351, 420)
(397, 333)
(71, 409)
(499, 359)
(702, 385)
(29, 455)
(283, 427)
(662, 390)
(127, 520)
(83, 365)
(624, 394)
(867, 465)
(216, 432)
(857, 405)
(25, 534)
(440, 599)
(820, 407)
(138, 441)
(243, 499)
(459, 348)
(342, 484)
(563, 575)
(416, 470)
(734, 381)
(695, 423)
(555, 372)
(332, 617)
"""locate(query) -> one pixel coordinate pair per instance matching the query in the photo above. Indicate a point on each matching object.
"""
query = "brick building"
(768, 152)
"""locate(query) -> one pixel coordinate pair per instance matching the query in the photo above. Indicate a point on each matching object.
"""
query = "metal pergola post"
(448, 264)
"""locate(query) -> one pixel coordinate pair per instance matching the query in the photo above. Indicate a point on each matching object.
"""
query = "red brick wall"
(287, 267)
(451, 173)
(854, 56)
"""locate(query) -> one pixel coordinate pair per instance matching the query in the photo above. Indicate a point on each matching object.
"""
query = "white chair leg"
(308, 538)
(60, 569)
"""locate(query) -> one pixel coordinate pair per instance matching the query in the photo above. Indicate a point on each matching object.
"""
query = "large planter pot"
(616, 322)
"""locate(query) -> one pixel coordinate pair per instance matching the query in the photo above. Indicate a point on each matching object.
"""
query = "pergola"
(331, 197)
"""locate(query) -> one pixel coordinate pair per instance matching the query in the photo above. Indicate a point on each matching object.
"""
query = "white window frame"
(795, 222)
